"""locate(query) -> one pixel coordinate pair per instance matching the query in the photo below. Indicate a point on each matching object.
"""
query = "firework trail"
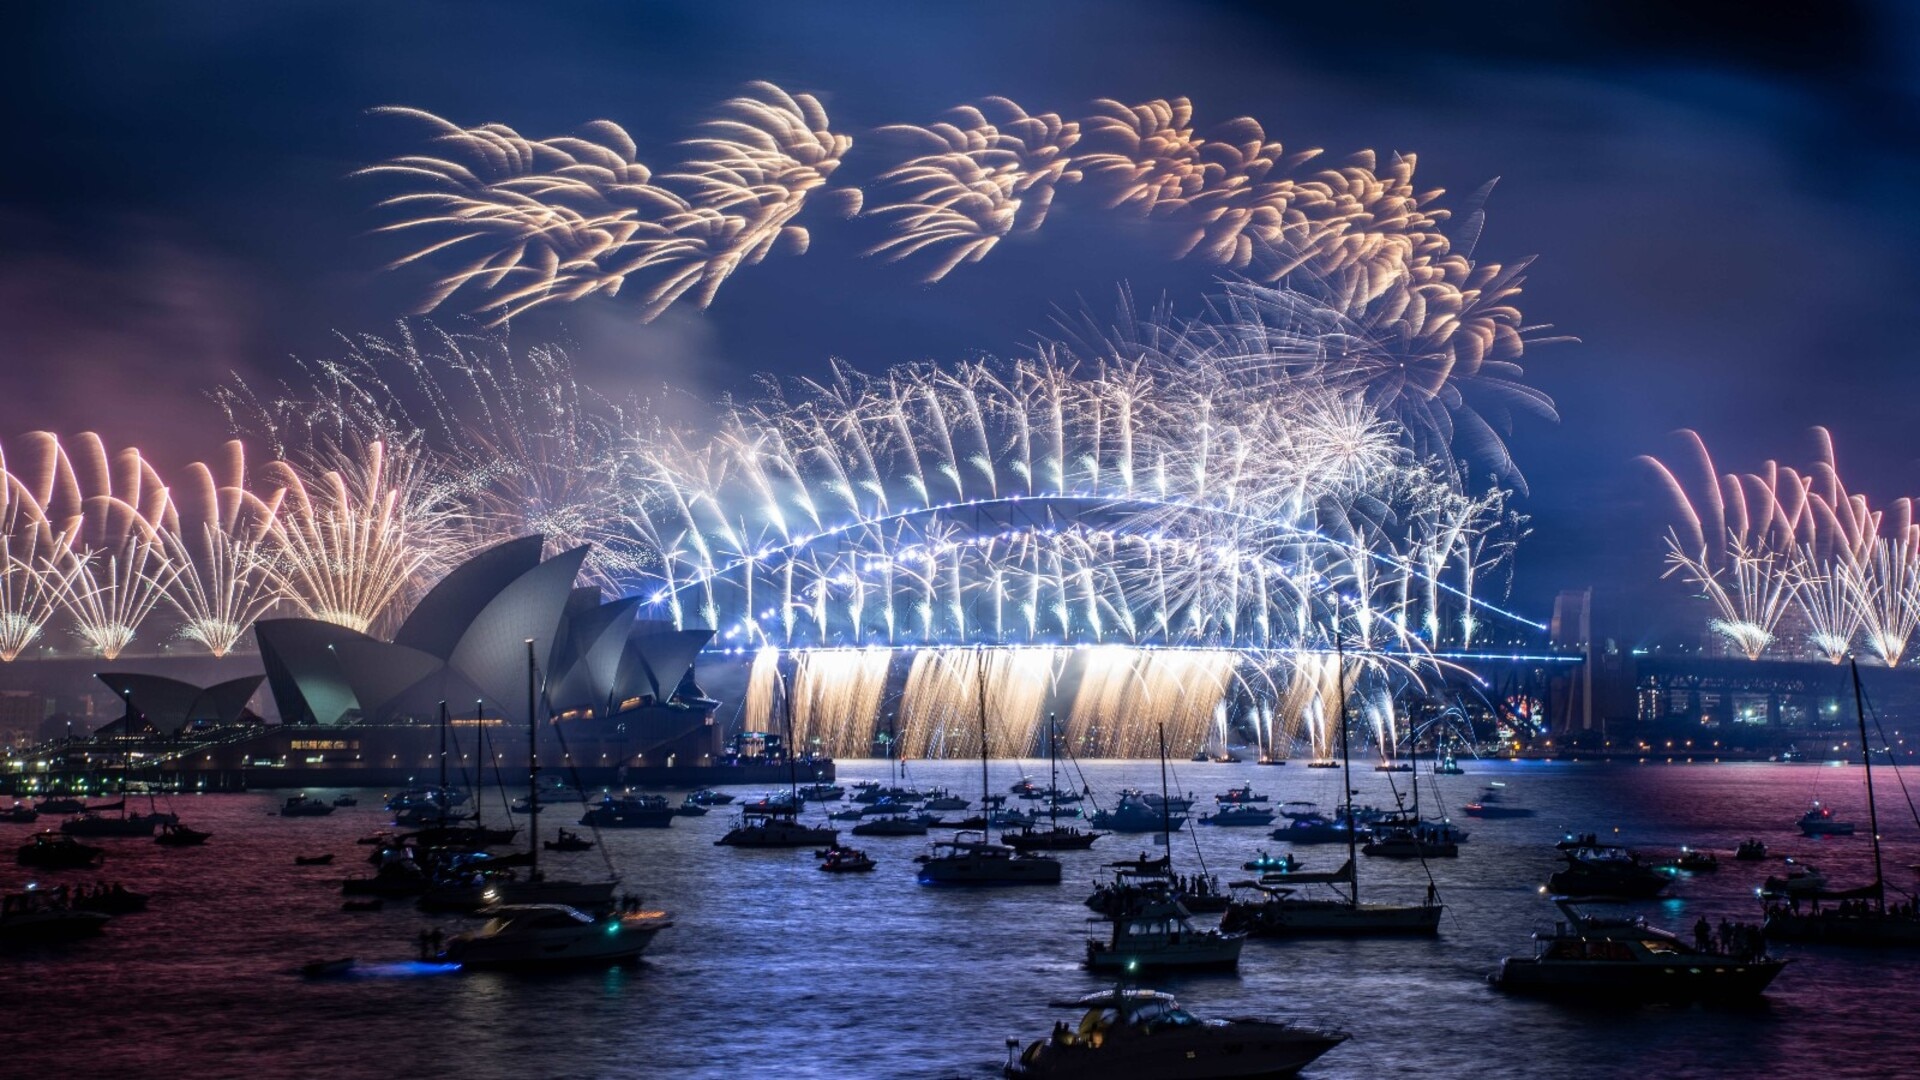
(980, 180)
(1760, 545)
(27, 594)
(223, 553)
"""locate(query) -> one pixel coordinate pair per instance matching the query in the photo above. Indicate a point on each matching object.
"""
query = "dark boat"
(57, 851)
(36, 917)
(1054, 837)
(1606, 871)
(1625, 961)
(630, 812)
(181, 836)
(846, 861)
(109, 900)
(568, 841)
(327, 969)
(1146, 1035)
(301, 806)
(313, 860)
(1750, 851)
(779, 827)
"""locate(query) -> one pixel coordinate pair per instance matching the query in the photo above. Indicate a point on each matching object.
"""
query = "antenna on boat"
(1873, 813)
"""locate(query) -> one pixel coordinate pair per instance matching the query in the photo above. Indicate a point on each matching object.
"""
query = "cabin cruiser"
(1146, 1035)
(1281, 906)
(969, 859)
(709, 797)
(841, 860)
(822, 792)
(1802, 880)
(630, 812)
(1409, 842)
(44, 917)
(1135, 813)
(1240, 795)
(689, 808)
(889, 793)
(177, 835)
(1819, 821)
(1157, 934)
(942, 799)
(1175, 803)
(1627, 961)
(554, 935)
(1491, 804)
(1606, 870)
(894, 824)
(50, 850)
(1312, 828)
(1240, 815)
(19, 814)
(1272, 864)
(776, 830)
(1750, 851)
(301, 806)
(95, 824)
(1055, 838)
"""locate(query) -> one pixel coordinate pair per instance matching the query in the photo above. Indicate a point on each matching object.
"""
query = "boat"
(1313, 828)
(91, 824)
(1271, 864)
(1146, 1035)
(1606, 871)
(1819, 821)
(1409, 842)
(115, 899)
(1447, 766)
(313, 860)
(822, 792)
(841, 860)
(328, 969)
(1393, 766)
(772, 826)
(1858, 916)
(176, 835)
(301, 806)
(1802, 880)
(1271, 761)
(709, 797)
(1491, 804)
(42, 917)
(942, 799)
(19, 814)
(1323, 764)
(61, 806)
(1135, 814)
(689, 808)
(1158, 935)
(971, 859)
(1750, 851)
(1268, 909)
(568, 841)
(1696, 861)
(530, 936)
(1234, 815)
(345, 800)
(892, 825)
(1625, 960)
(1054, 837)
(1239, 796)
(49, 850)
(630, 812)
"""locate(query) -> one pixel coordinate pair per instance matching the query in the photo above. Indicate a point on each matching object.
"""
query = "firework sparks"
(222, 553)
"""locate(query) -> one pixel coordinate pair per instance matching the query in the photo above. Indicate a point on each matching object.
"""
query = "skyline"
(1686, 322)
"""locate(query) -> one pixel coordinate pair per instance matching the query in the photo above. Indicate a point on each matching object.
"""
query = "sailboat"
(1283, 909)
(1409, 837)
(1857, 916)
(778, 825)
(967, 861)
(92, 822)
(1053, 837)
(438, 827)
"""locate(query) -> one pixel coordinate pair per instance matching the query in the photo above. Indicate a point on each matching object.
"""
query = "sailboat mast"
(986, 791)
(793, 763)
(440, 796)
(1053, 778)
(1346, 758)
(1166, 811)
(533, 770)
(1873, 813)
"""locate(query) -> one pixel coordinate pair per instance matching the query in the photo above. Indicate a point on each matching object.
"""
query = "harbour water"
(776, 970)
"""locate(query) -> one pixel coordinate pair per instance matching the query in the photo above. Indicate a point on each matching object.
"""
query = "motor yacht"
(892, 825)
(709, 797)
(1801, 880)
(969, 859)
(1240, 795)
(1136, 814)
(689, 808)
(942, 799)
(302, 806)
(1312, 828)
(177, 835)
(822, 792)
(841, 860)
(1595, 871)
(1404, 842)
(1157, 935)
(1146, 1035)
(1819, 821)
(1624, 960)
(776, 830)
(1237, 815)
(19, 814)
(92, 823)
(1052, 838)
(554, 935)
(630, 812)
(1178, 804)
(36, 917)
(50, 850)
(1278, 906)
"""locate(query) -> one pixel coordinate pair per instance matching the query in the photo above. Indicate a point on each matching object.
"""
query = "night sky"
(1721, 204)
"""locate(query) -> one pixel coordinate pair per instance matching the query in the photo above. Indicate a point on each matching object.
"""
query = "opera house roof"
(465, 643)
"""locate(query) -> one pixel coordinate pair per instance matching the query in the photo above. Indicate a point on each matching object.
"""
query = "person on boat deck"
(1702, 934)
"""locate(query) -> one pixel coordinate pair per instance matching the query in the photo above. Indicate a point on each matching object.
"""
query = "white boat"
(1157, 934)
(554, 935)
(1819, 821)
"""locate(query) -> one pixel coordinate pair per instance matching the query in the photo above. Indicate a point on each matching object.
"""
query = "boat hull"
(1242, 1050)
(1331, 918)
(1696, 978)
(964, 871)
(564, 950)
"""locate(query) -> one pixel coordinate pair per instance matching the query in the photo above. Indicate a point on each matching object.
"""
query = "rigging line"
(573, 770)
(1898, 778)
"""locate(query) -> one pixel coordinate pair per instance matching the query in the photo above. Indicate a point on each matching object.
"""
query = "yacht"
(1240, 795)
(630, 812)
(1802, 880)
(181, 836)
(1157, 934)
(1819, 821)
(1313, 828)
(1409, 842)
(1281, 906)
(1492, 804)
(1054, 838)
(1238, 815)
(1272, 864)
(709, 797)
(895, 824)
(1175, 803)
(1750, 851)
(554, 935)
(1590, 957)
(1447, 766)
(301, 806)
(969, 859)
(35, 917)
(1136, 814)
(942, 799)
(689, 808)
(1605, 870)
(57, 851)
(822, 792)
(1146, 1035)
(19, 814)
(846, 861)
(94, 824)
(776, 830)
